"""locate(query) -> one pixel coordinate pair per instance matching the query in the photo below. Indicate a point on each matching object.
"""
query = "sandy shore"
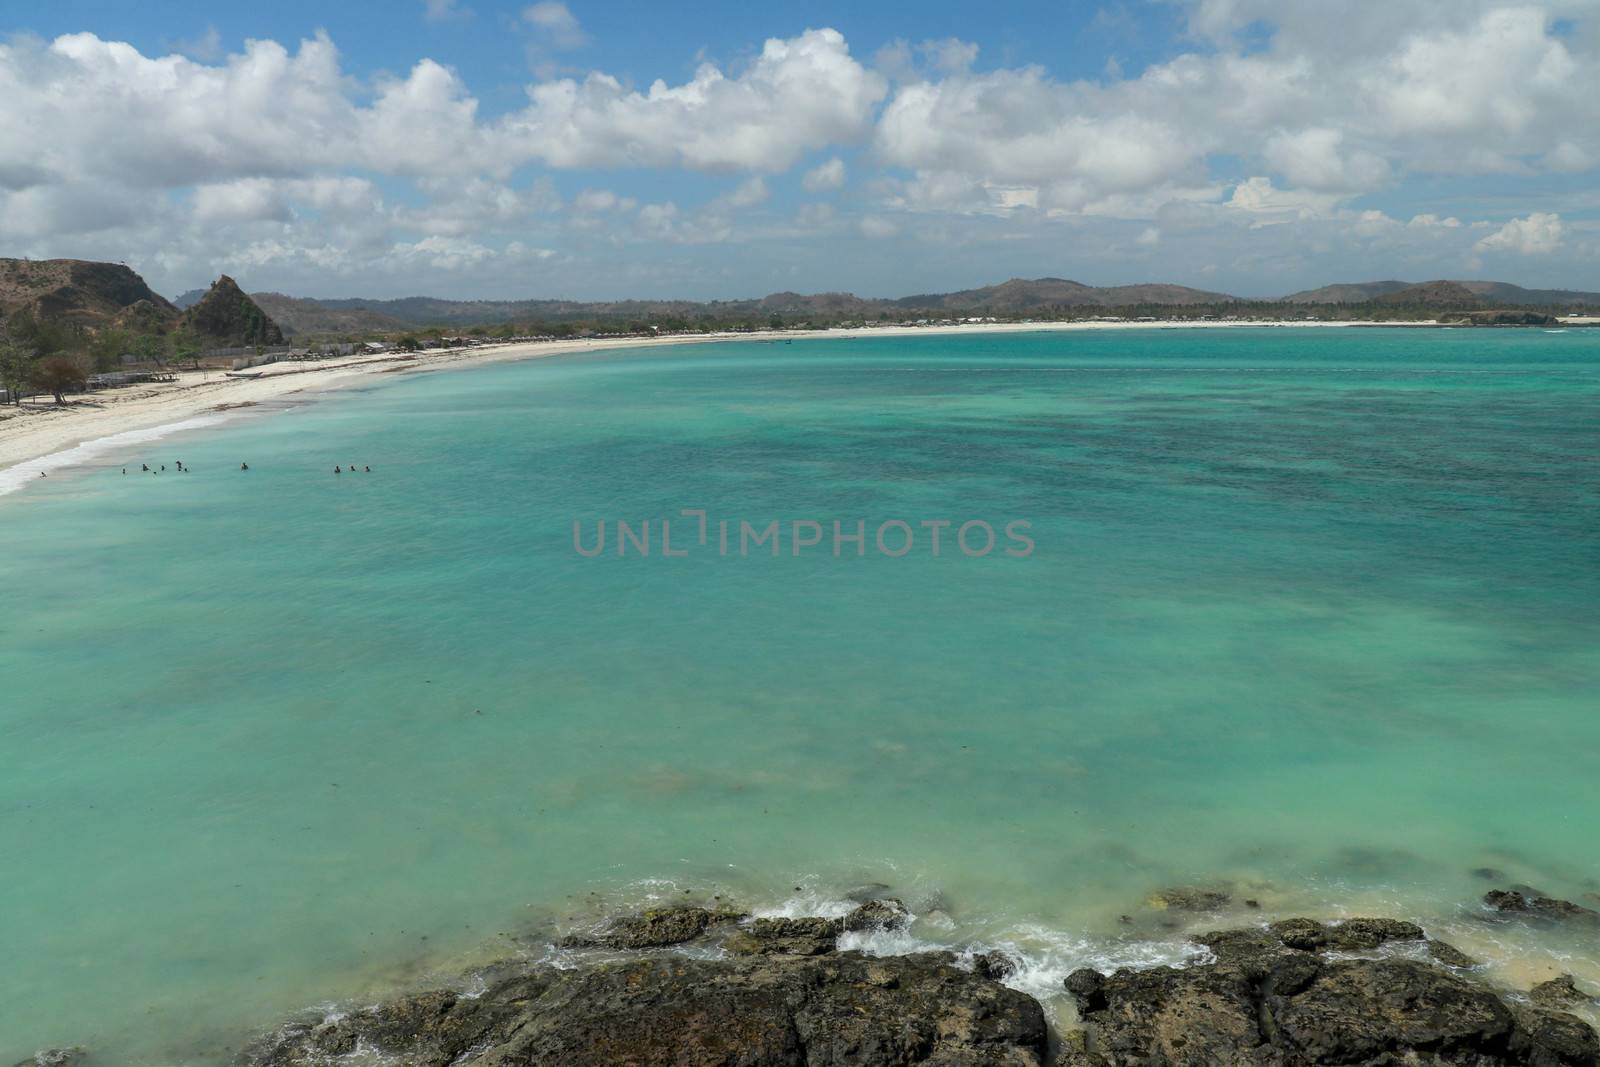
(41, 436)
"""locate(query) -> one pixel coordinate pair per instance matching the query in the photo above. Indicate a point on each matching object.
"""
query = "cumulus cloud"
(1537, 235)
(444, 10)
(1319, 159)
(800, 94)
(275, 154)
(557, 22)
(829, 175)
(1333, 105)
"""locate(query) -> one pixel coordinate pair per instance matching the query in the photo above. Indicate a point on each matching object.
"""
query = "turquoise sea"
(1311, 615)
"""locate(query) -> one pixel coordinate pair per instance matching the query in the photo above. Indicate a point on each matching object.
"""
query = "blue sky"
(472, 148)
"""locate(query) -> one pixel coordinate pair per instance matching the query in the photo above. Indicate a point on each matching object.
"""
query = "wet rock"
(838, 1011)
(1088, 989)
(1358, 1010)
(1197, 1015)
(1189, 898)
(888, 914)
(1075, 1051)
(1527, 903)
(57, 1057)
(1353, 935)
(996, 965)
(1264, 1002)
(1553, 1038)
(1308, 935)
(655, 928)
(1349, 935)
(788, 937)
(1449, 955)
(1559, 992)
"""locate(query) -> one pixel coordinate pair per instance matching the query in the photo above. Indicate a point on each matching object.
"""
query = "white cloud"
(800, 94)
(750, 192)
(829, 175)
(1259, 197)
(595, 201)
(277, 156)
(445, 253)
(557, 22)
(1537, 235)
(444, 10)
(1318, 159)
(206, 47)
(876, 227)
(246, 199)
(1333, 104)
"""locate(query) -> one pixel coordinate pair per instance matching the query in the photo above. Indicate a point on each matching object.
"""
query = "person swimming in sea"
(369, 470)
(144, 466)
(336, 469)
(244, 466)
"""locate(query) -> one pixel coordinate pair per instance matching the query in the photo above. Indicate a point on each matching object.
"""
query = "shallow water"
(1311, 613)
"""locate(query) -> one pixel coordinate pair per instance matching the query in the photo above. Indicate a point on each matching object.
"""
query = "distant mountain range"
(1486, 293)
(88, 293)
(1014, 298)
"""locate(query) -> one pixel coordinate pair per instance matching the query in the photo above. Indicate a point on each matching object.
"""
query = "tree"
(36, 336)
(107, 348)
(150, 349)
(57, 374)
(13, 370)
(186, 348)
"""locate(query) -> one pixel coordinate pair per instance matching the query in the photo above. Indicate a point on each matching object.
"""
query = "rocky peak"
(227, 316)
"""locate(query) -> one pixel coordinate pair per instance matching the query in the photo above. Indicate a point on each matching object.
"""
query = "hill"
(1023, 295)
(1505, 293)
(76, 292)
(1345, 293)
(1486, 292)
(227, 317)
(299, 317)
(1433, 296)
(303, 316)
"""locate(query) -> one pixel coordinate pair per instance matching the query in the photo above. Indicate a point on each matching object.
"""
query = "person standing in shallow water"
(336, 469)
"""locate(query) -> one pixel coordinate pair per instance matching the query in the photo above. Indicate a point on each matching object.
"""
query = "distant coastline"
(45, 437)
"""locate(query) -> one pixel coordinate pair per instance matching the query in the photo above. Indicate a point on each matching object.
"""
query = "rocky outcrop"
(1289, 996)
(1294, 993)
(225, 316)
(1559, 992)
(56, 1057)
(841, 1010)
(655, 928)
(1528, 904)
(1500, 318)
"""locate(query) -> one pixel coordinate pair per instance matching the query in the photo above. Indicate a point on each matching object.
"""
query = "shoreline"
(682, 974)
(848, 942)
(50, 437)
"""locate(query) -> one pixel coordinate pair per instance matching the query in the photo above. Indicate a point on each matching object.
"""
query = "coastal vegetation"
(103, 317)
(62, 321)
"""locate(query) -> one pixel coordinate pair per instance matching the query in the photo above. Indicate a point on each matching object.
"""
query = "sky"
(591, 149)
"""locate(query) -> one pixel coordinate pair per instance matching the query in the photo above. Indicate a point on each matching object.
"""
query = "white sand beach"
(41, 436)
